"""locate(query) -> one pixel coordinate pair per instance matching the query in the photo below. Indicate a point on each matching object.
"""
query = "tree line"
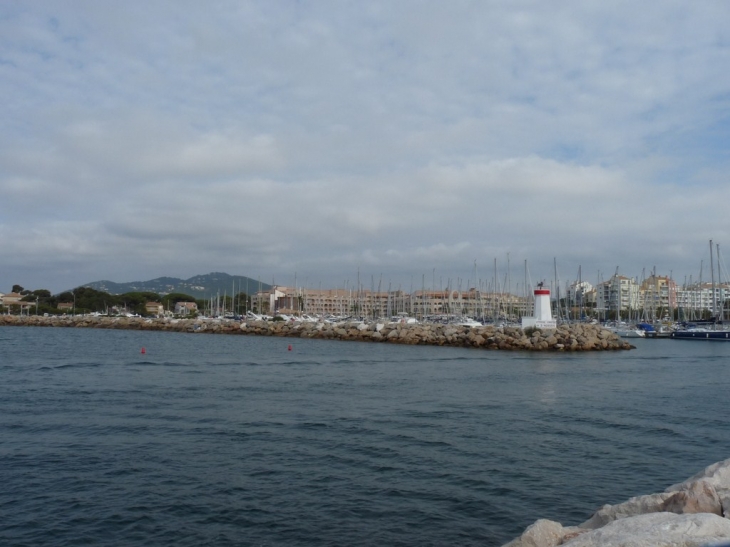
(88, 300)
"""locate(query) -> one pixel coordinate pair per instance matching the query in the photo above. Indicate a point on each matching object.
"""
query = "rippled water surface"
(234, 440)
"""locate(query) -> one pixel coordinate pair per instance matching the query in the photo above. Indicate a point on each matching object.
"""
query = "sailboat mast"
(721, 304)
(525, 288)
(580, 287)
(495, 304)
(712, 275)
(618, 296)
(557, 289)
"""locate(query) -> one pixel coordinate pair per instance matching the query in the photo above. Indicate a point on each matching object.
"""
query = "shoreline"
(566, 338)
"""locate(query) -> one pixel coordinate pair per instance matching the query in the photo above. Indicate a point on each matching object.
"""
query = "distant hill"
(200, 286)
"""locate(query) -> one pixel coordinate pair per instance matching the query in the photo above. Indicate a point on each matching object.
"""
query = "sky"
(404, 143)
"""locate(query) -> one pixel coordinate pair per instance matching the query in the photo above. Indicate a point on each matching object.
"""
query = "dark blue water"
(233, 440)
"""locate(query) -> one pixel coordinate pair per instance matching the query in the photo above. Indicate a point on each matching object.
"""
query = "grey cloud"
(400, 136)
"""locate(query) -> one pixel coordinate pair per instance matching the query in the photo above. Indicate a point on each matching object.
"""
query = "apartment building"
(619, 292)
(699, 297)
(658, 292)
(367, 303)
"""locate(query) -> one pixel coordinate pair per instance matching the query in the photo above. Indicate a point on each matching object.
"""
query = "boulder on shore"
(692, 513)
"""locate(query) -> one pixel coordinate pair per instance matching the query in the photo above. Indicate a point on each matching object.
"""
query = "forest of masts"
(487, 300)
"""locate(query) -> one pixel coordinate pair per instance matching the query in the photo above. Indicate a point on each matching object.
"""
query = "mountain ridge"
(198, 286)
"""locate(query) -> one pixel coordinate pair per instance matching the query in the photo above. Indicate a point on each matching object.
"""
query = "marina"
(323, 274)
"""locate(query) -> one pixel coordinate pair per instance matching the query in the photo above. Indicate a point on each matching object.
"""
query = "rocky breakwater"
(693, 513)
(566, 338)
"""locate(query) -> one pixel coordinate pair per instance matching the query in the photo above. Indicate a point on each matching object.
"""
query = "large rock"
(638, 505)
(657, 529)
(699, 497)
(542, 533)
(718, 476)
(687, 514)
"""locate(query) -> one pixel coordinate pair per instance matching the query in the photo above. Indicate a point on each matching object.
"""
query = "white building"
(185, 308)
(619, 292)
(698, 297)
(578, 292)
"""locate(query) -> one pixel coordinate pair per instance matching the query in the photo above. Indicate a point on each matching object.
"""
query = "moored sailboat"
(715, 330)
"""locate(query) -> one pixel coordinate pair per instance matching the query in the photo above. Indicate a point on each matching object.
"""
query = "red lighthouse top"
(542, 291)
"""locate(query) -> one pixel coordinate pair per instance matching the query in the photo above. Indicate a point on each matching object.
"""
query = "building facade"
(694, 300)
(619, 293)
(657, 296)
(373, 304)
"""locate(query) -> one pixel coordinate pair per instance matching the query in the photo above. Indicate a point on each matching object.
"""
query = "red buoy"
(143, 351)
(289, 348)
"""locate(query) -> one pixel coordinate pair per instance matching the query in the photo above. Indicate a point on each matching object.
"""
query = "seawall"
(566, 338)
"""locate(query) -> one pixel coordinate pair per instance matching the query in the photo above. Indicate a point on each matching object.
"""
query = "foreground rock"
(567, 338)
(691, 513)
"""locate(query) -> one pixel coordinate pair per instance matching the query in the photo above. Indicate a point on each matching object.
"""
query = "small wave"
(77, 365)
(459, 359)
(312, 425)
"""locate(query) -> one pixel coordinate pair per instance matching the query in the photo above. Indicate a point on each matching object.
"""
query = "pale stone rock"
(541, 533)
(699, 497)
(570, 532)
(657, 529)
(638, 505)
(717, 475)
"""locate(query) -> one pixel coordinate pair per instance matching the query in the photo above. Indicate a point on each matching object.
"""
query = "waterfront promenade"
(566, 338)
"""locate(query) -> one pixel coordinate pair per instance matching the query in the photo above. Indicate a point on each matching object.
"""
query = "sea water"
(239, 440)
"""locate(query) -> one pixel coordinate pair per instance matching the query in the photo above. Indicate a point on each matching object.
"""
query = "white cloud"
(268, 138)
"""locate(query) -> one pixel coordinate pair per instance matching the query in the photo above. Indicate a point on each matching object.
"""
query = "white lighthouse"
(543, 318)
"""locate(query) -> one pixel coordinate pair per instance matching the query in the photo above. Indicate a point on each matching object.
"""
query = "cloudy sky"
(405, 140)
